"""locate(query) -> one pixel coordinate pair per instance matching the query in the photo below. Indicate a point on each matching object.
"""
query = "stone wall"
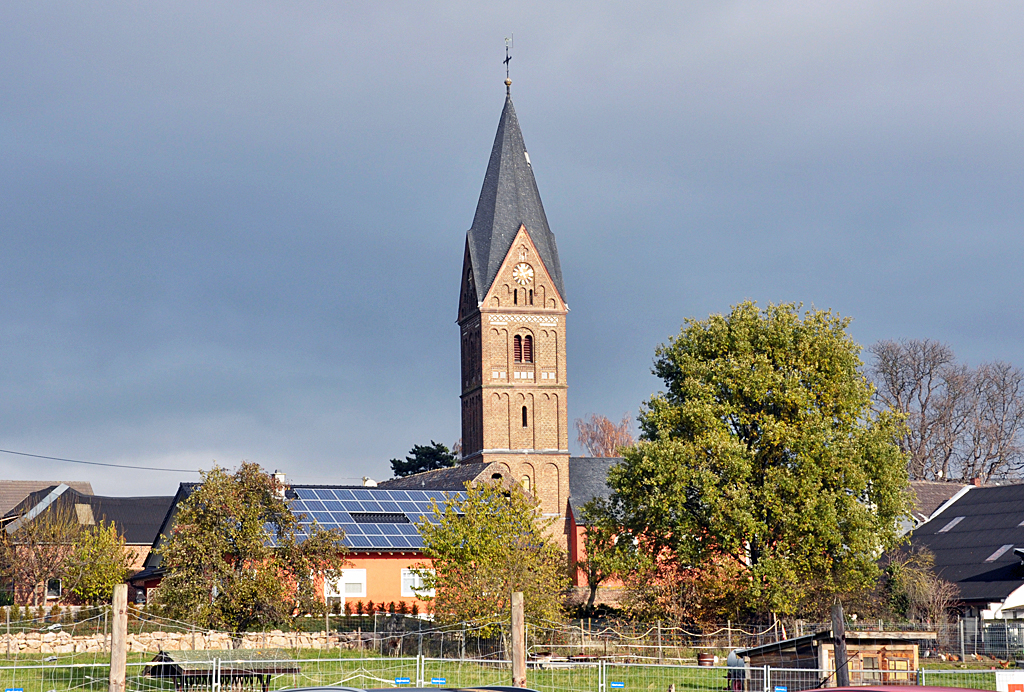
(66, 643)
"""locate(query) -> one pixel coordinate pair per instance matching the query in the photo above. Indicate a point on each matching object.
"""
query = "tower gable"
(509, 290)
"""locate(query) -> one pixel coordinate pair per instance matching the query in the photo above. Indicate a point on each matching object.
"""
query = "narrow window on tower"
(515, 297)
(525, 421)
(528, 349)
(531, 296)
(517, 349)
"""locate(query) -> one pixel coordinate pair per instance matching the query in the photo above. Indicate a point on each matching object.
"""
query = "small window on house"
(525, 421)
(351, 584)
(871, 670)
(495, 476)
(517, 348)
(53, 588)
(412, 585)
(527, 349)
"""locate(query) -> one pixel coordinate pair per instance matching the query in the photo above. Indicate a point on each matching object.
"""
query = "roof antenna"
(508, 58)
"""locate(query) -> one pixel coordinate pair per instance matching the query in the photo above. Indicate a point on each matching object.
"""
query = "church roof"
(509, 198)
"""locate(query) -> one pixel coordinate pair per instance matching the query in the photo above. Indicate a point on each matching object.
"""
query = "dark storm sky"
(234, 230)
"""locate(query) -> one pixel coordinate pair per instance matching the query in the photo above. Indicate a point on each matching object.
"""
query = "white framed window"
(412, 585)
(351, 584)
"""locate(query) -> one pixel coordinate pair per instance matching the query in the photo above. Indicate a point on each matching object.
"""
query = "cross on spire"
(507, 60)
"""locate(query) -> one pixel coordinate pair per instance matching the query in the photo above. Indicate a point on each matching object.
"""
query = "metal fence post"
(963, 650)
(767, 678)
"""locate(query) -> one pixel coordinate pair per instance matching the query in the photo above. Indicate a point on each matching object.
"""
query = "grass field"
(317, 668)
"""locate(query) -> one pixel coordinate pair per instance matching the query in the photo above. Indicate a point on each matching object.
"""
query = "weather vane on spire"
(508, 59)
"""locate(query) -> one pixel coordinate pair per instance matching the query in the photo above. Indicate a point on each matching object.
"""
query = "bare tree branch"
(963, 424)
(602, 438)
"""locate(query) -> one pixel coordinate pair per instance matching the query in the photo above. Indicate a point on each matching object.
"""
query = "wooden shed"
(809, 662)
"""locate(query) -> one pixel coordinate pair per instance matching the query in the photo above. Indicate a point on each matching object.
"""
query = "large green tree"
(764, 450)
(485, 546)
(422, 458)
(238, 558)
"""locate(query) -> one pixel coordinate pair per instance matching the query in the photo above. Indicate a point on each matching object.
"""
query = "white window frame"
(417, 590)
(336, 589)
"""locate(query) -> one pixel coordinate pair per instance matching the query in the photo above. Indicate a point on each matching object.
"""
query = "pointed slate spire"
(509, 198)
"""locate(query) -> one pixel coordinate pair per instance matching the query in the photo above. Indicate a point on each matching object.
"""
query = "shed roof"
(852, 636)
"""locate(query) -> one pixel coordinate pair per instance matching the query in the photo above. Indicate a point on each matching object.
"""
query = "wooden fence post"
(119, 638)
(839, 645)
(518, 641)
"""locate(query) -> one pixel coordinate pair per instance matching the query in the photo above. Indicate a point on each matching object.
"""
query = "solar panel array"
(332, 508)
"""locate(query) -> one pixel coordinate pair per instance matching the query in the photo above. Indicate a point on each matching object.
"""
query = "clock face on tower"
(522, 274)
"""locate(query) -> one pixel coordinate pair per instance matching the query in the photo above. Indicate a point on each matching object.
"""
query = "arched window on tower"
(517, 348)
(527, 349)
(526, 421)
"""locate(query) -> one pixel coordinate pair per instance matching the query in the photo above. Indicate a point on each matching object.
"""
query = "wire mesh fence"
(238, 673)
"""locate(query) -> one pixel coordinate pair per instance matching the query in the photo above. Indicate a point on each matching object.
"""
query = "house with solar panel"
(380, 534)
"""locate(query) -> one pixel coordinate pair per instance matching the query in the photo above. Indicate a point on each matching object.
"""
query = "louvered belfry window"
(517, 348)
(527, 349)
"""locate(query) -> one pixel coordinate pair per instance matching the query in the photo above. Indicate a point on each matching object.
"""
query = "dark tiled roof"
(153, 559)
(452, 478)
(930, 495)
(588, 478)
(509, 198)
(992, 519)
(137, 518)
(13, 492)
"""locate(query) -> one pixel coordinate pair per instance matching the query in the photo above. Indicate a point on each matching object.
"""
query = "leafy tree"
(604, 556)
(424, 458)
(239, 558)
(764, 453)
(486, 546)
(99, 562)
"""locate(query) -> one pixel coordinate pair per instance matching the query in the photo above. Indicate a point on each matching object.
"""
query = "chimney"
(369, 482)
(282, 483)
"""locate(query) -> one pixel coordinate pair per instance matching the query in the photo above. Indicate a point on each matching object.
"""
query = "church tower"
(512, 318)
